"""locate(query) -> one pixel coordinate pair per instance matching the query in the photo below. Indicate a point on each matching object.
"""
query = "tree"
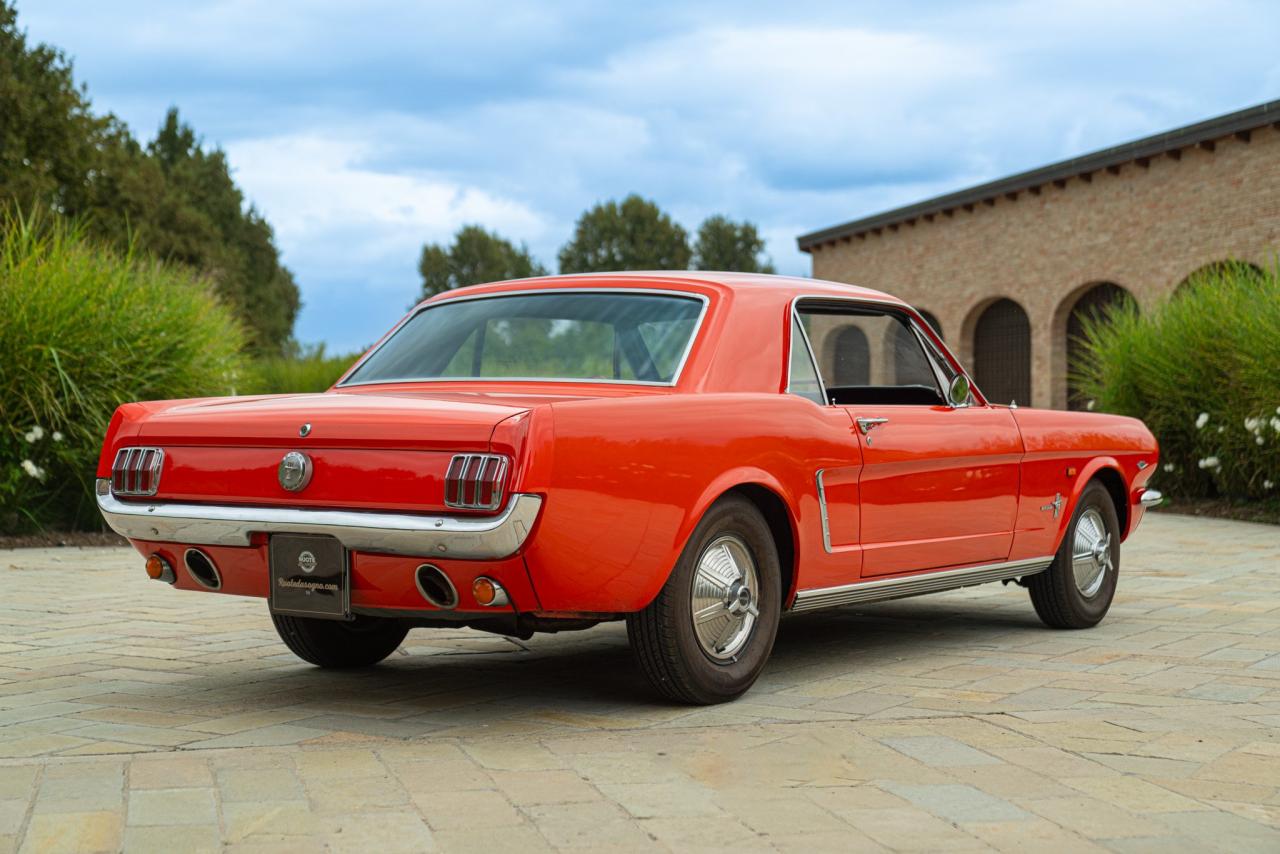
(723, 244)
(633, 235)
(475, 256)
(210, 227)
(174, 199)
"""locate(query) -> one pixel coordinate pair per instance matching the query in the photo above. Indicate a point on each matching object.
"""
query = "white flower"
(33, 469)
(1252, 424)
(1275, 424)
(1266, 484)
(1258, 439)
(1089, 405)
(1167, 466)
(1201, 420)
(1210, 463)
(35, 434)
(1222, 429)
(57, 437)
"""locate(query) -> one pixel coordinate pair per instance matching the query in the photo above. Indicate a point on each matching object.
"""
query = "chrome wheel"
(726, 588)
(1091, 552)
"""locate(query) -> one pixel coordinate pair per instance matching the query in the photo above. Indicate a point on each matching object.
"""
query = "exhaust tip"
(202, 569)
(435, 586)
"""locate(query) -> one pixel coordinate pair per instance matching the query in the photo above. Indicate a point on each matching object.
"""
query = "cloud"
(364, 130)
(352, 233)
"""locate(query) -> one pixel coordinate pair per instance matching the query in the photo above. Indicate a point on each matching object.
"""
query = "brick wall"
(1142, 227)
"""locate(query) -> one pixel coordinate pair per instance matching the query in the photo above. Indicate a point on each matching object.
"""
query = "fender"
(730, 480)
(1087, 473)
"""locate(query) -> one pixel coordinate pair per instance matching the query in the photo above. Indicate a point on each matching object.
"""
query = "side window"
(803, 379)
(870, 356)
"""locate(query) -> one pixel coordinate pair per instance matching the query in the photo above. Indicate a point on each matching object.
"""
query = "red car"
(695, 453)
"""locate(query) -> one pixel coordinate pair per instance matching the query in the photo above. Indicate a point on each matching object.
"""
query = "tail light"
(475, 481)
(136, 471)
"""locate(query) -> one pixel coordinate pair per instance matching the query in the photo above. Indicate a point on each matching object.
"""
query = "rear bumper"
(466, 538)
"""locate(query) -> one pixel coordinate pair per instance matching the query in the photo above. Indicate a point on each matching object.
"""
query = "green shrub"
(309, 371)
(1203, 371)
(85, 329)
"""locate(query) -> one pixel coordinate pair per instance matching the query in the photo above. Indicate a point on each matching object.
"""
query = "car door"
(939, 484)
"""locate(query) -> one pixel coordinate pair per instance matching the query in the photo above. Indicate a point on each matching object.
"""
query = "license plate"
(310, 576)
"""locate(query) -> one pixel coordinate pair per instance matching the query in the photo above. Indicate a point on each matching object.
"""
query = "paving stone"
(163, 839)
(939, 751)
(73, 832)
(525, 788)
(151, 807)
(957, 802)
(950, 722)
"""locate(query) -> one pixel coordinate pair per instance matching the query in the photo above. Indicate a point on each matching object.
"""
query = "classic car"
(693, 453)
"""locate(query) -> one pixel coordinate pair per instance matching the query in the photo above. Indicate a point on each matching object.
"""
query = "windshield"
(592, 336)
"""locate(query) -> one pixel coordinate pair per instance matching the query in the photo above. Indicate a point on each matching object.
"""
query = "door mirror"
(958, 391)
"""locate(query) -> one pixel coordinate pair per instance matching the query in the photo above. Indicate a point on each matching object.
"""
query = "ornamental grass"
(85, 329)
(1202, 369)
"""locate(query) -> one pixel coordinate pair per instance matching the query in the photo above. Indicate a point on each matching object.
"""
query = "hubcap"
(1091, 555)
(726, 589)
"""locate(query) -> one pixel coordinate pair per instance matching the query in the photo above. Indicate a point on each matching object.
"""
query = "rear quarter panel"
(630, 479)
(1064, 451)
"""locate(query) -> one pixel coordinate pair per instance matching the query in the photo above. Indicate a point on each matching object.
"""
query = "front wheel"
(709, 632)
(1077, 589)
(362, 642)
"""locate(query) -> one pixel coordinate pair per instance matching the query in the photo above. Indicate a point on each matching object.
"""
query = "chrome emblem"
(295, 471)
(305, 430)
(1055, 505)
(307, 562)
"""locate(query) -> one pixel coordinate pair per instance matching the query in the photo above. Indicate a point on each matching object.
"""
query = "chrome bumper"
(462, 537)
(1150, 498)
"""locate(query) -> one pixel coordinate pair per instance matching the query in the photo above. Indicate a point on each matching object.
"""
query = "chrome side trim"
(426, 305)
(1150, 498)
(916, 585)
(822, 510)
(389, 533)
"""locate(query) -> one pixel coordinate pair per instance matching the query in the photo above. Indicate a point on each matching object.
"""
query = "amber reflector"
(484, 591)
(155, 567)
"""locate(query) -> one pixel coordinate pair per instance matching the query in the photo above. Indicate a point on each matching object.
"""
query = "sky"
(364, 129)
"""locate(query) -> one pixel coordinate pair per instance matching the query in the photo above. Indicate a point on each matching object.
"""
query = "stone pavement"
(135, 716)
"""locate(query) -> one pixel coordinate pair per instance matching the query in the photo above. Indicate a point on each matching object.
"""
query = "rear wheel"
(709, 632)
(1077, 589)
(362, 642)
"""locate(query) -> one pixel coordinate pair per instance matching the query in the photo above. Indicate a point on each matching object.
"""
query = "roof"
(679, 280)
(1139, 151)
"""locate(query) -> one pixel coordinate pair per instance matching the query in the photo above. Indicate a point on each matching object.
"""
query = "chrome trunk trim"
(916, 585)
(488, 538)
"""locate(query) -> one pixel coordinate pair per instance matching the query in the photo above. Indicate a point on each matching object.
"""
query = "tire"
(1076, 594)
(721, 658)
(362, 642)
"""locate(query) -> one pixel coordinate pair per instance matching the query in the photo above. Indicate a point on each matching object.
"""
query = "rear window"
(591, 336)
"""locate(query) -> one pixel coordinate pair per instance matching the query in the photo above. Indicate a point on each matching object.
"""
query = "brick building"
(1005, 270)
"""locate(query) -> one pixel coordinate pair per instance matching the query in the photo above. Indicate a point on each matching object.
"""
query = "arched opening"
(1094, 304)
(1002, 353)
(852, 357)
(1217, 271)
(930, 319)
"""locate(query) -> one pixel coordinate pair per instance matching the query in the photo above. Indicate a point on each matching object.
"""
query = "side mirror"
(958, 392)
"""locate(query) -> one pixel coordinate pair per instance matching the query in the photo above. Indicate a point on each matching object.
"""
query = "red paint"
(627, 471)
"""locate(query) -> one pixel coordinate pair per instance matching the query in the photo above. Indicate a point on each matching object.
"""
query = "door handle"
(866, 425)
